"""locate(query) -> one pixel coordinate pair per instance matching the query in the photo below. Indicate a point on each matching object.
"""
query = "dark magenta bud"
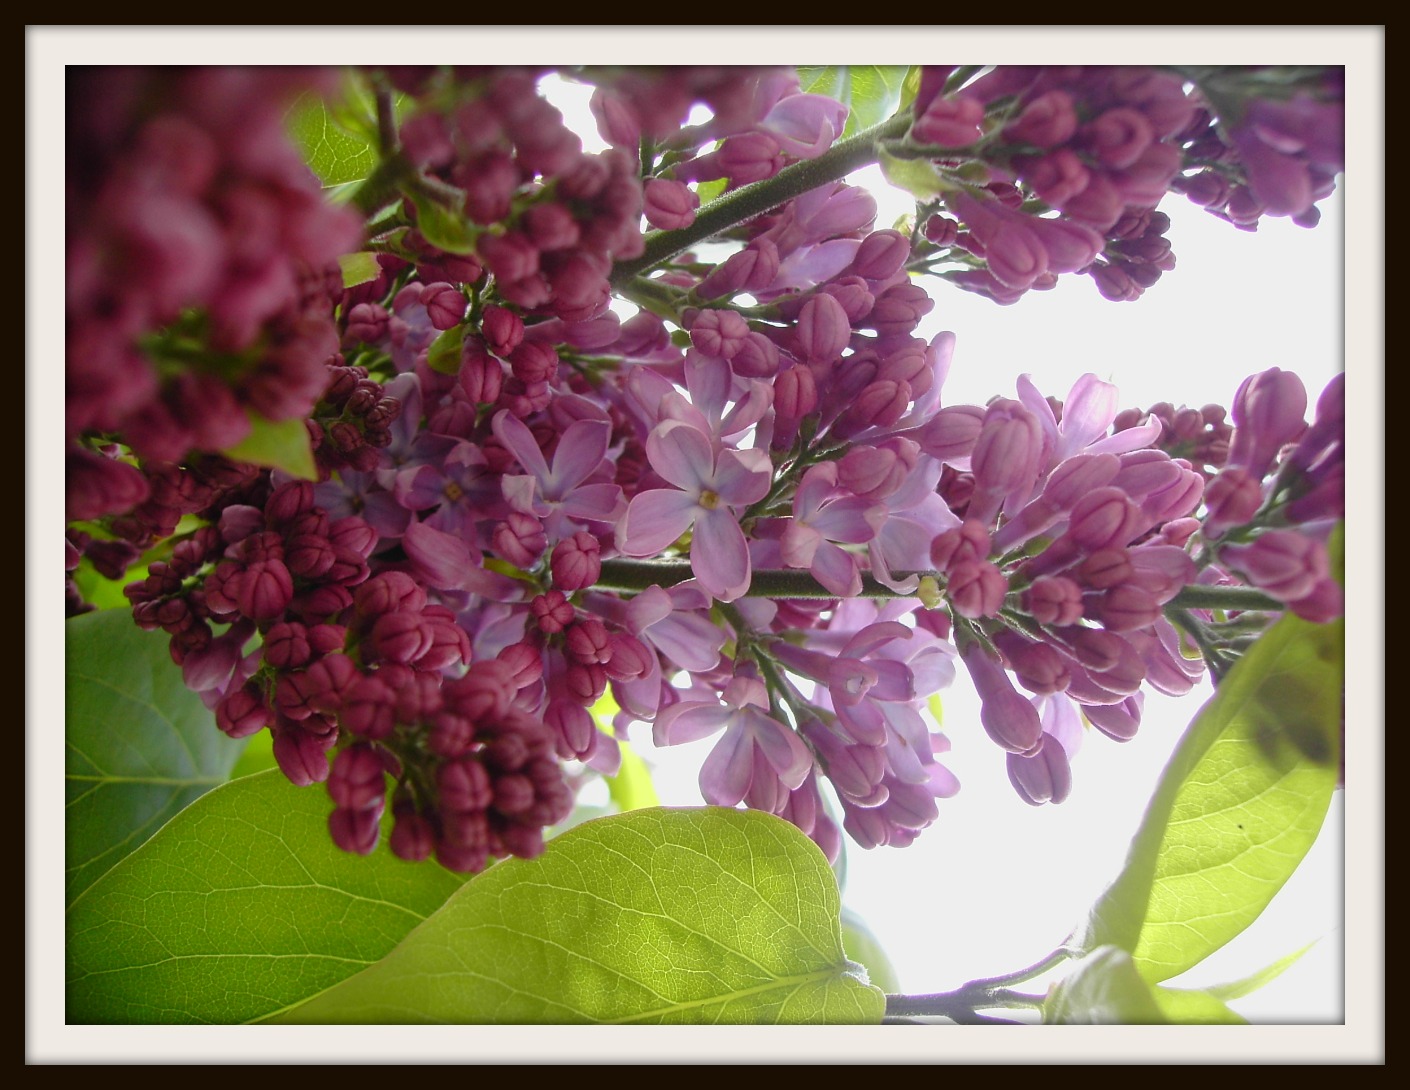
(576, 562)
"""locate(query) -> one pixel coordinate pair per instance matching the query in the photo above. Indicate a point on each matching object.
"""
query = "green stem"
(628, 575)
(1229, 598)
(752, 200)
(988, 993)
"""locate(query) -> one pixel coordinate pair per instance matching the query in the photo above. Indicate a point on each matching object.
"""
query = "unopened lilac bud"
(286, 646)
(795, 393)
(952, 433)
(357, 781)
(481, 374)
(524, 662)
(445, 305)
(630, 658)
(1054, 600)
(534, 362)
(949, 123)
(511, 257)
(751, 269)
(1127, 607)
(502, 329)
(1047, 121)
(941, 230)
(966, 543)
(874, 473)
(1039, 667)
(670, 205)
(464, 785)
(1285, 563)
(1097, 650)
(1104, 518)
(266, 589)
(519, 539)
(586, 641)
(1231, 499)
(242, 712)
(719, 333)
(1322, 604)
(399, 637)
(854, 296)
(1106, 568)
(576, 562)
(1044, 777)
(879, 405)
(412, 837)
(899, 309)
(881, 255)
(1118, 722)
(976, 588)
(389, 592)
(1008, 718)
(756, 358)
(302, 756)
(1268, 412)
(1118, 137)
(550, 227)
(552, 611)
(356, 830)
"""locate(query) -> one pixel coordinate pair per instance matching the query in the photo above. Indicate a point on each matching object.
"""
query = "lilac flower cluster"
(198, 247)
(744, 511)
(1058, 170)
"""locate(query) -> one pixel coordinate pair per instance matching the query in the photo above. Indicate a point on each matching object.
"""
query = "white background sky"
(994, 884)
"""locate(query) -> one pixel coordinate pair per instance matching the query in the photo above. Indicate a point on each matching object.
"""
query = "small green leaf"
(238, 908)
(1237, 808)
(139, 745)
(280, 445)
(918, 177)
(441, 226)
(708, 191)
(1239, 988)
(910, 86)
(443, 356)
(329, 141)
(870, 92)
(1194, 1007)
(657, 916)
(1103, 989)
(359, 268)
(861, 946)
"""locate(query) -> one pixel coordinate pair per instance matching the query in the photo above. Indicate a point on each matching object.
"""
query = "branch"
(629, 575)
(752, 200)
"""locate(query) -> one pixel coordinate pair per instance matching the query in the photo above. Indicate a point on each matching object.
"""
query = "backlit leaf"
(239, 907)
(139, 745)
(656, 916)
(280, 445)
(1237, 808)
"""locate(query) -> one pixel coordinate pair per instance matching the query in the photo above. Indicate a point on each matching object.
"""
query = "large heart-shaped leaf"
(1237, 808)
(139, 745)
(239, 907)
(656, 916)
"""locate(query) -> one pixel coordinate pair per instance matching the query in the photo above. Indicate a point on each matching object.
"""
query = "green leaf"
(102, 592)
(708, 191)
(1239, 988)
(861, 946)
(440, 225)
(257, 756)
(1195, 1007)
(238, 908)
(443, 356)
(870, 92)
(1104, 989)
(336, 144)
(1236, 809)
(359, 268)
(139, 745)
(657, 916)
(918, 177)
(280, 445)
